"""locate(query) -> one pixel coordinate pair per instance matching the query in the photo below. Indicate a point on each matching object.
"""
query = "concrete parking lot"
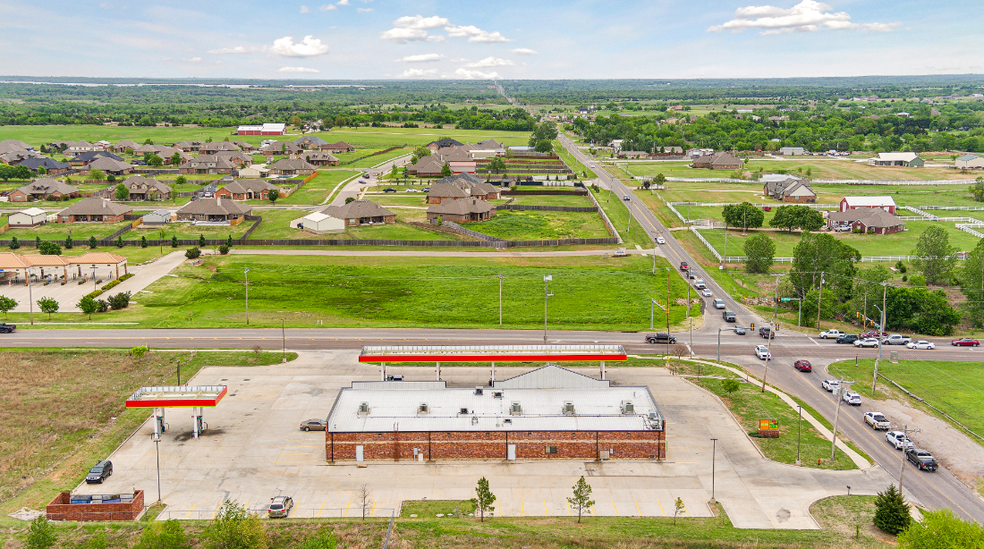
(253, 450)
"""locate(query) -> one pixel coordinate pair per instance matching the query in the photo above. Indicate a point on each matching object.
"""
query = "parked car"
(847, 338)
(413, 190)
(762, 352)
(830, 334)
(851, 398)
(660, 337)
(397, 377)
(767, 332)
(803, 365)
(921, 344)
(877, 420)
(99, 472)
(830, 385)
(426, 189)
(280, 507)
(660, 240)
(867, 342)
(965, 342)
(706, 293)
(922, 459)
(389, 190)
(896, 339)
(718, 303)
(314, 424)
(898, 440)
(7, 328)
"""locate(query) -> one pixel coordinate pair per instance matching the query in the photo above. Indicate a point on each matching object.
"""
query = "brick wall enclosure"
(396, 446)
(61, 509)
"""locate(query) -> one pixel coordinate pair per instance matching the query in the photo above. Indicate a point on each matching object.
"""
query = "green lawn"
(537, 225)
(819, 169)
(185, 231)
(954, 387)
(59, 231)
(547, 200)
(276, 225)
(403, 292)
(317, 190)
(629, 229)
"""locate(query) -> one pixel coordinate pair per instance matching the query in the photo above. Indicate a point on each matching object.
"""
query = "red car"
(803, 365)
(965, 342)
(875, 335)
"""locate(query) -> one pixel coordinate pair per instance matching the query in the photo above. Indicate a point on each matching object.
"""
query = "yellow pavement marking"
(373, 509)
(350, 503)
(637, 508)
(685, 510)
(613, 507)
(661, 507)
(499, 509)
(592, 510)
(522, 509)
(545, 512)
(190, 510)
(568, 508)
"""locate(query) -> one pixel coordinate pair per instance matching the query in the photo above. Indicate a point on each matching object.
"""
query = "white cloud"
(237, 50)
(475, 34)
(192, 60)
(343, 2)
(304, 9)
(465, 73)
(492, 62)
(308, 47)
(807, 16)
(106, 6)
(328, 7)
(418, 73)
(363, 10)
(421, 22)
(422, 58)
(296, 69)
(524, 51)
(402, 36)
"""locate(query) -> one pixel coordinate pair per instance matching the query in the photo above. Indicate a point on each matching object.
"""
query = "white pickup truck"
(699, 284)
(830, 334)
(896, 339)
(877, 420)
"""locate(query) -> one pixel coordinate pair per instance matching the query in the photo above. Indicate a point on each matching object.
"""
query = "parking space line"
(522, 509)
(592, 510)
(637, 507)
(347, 508)
(568, 508)
(373, 509)
(322, 508)
(190, 510)
(614, 507)
(661, 507)
(545, 512)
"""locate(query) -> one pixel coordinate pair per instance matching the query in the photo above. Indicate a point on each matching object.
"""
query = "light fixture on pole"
(546, 280)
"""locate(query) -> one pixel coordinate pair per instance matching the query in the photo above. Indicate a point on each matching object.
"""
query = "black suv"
(661, 337)
(847, 338)
(766, 332)
(99, 472)
(921, 458)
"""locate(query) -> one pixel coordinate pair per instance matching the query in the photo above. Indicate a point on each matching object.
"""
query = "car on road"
(739, 329)
(729, 316)
(847, 338)
(684, 266)
(413, 190)
(7, 328)
(922, 344)
(867, 342)
(626, 198)
(660, 240)
(314, 424)
(922, 459)
(873, 334)
(99, 472)
(803, 365)
(896, 339)
(592, 166)
(965, 342)
(425, 190)
(766, 333)
(898, 440)
(706, 293)
(699, 284)
(877, 420)
(389, 190)
(762, 352)
(831, 334)
(280, 507)
(718, 303)
(830, 385)
(851, 398)
(660, 337)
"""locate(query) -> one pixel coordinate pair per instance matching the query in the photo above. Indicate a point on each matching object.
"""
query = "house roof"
(15, 143)
(215, 206)
(446, 190)
(281, 147)
(869, 201)
(320, 155)
(95, 206)
(292, 164)
(108, 165)
(461, 207)
(717, 159)
(92, 155)
(968, 157)
(489, 144)
(219, 146)
(46, 186)
(134, 180)
(898, 156)
(126, 144)
(32, 212)
(36, 162)
(161, 213)
(869, 217)
(357, 209)
(209, 161)
(243, 186)
(446, 142)
(317, 216)
(312, 140)
(429, 164)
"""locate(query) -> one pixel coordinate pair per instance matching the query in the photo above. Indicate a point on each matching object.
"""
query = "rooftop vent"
(627, 407)
(497, 394)
(423, 408)
(474, 420)
(478, 391)
(364, 408)
(515, 409)
(463, 411)
(568, 408)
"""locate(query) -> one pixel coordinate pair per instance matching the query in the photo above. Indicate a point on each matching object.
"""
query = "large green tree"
(163, 535)
(545, 132)
(891, 511)
(743, 215)
(941, 529)
(760, 251)
(977, 189)
(936, 257)
(821, 256)
(235, 527)
(972, 284)
(796, 217)
(921, 310)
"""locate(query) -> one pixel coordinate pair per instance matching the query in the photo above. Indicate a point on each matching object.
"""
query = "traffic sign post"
(799, 315)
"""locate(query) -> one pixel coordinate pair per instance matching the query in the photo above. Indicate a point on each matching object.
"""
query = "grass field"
(547, 200)
(819, 169)
(276, 225)
(317, 190)
(954, 387)
(51, 436)
(537, 225)
(59, 231)
(403, 292)
(629, 229)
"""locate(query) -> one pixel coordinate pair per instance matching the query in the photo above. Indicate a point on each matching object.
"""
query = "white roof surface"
(316, 217)
(904, 156)
(397, 403)
(33, 212)
(870, 201)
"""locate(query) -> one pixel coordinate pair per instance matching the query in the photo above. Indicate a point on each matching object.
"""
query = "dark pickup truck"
(7, 328)
(660, 337)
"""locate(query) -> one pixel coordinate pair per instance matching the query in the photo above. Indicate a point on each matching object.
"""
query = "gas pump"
(160, 427)
(199, 424)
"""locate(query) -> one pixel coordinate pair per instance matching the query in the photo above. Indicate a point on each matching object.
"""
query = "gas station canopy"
(177, 397)
(491, 353)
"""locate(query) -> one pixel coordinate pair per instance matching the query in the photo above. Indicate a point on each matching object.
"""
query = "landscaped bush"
(94, 294)
(119, 301)
(193, 253)
(127, 276)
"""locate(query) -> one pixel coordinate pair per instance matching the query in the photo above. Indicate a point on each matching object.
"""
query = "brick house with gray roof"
(360, 212)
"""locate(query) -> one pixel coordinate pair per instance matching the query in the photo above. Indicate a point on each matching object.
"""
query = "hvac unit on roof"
(568, 408)
(363, 408)
(627, 407)
(515, 409)
(423, 408)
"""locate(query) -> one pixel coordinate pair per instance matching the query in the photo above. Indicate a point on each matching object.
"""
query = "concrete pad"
(253, 451)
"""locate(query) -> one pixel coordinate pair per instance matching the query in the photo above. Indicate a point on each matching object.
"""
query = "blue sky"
(508, 39)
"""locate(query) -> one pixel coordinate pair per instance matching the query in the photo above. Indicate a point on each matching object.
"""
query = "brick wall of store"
(397, 446)
(61, 509)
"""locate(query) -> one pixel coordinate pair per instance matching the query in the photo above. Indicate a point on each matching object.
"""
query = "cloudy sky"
(508, 39)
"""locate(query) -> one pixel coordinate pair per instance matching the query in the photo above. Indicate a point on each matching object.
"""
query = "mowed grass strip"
(542, 225)
(64, 410)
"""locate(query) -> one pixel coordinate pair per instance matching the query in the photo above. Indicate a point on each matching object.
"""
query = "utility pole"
(841, 387)
(772, 334)
(546, 279)
(819, 300)
(690, 321)
(30, 294)
(905, 436)
(500, 301)
(881, 329)
(283, 335)
(725, 254)
(246, 274)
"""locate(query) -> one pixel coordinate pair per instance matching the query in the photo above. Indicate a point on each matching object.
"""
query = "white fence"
(832, 181)
(965, 208)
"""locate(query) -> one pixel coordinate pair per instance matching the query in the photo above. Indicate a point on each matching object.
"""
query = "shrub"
(193, 253)
(49, 248)
(138, 352)
(174, 242)
(143, 241)
(127, 276)
(201, 241)
(917, 280)
(92, 242)
(103, 306)
(119, 241)
(110, 285)
(224, 249)
(119, 301)
(94, 294)
(891, 511)
(40, 535)
(14, 243)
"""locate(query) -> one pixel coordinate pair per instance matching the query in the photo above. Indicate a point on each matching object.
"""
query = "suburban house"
(249, 189)
(311, 142)
(94, 210)
(461, 186)
(320, 158)
(463, 167)
(90, 156)
(866, 220)
(262, 129)
(292, 167)
(792, 151)
(31, 217)
(162, 151)
(434, 146)
(788, 188)
(965, 162)
(339, 147)
(207, 164)
(633, 155)
(361, 212)
(253, 172)
(445, 192)
(858, 202)
(238, 158)
(51, 167)
(188, 146)
(216, 146)
(44, 189)
(904, 159)
(108, 166)
(428, 166)
(717, 161)
(124, 146)
(14, 158)
(281, 147)
(156, 217)
(461, 211)
(214, 210)
(319, 223)
(145, 188)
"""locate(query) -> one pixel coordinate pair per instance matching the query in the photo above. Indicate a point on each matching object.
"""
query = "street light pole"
(246, 274)
(30, 294)
(500, 301)
(841, 387)
(652, 303)
(881, 330)
(283, 334)
(546, 279)
(713, 463)
(799, 431)
(772, 334)
(157, 445)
